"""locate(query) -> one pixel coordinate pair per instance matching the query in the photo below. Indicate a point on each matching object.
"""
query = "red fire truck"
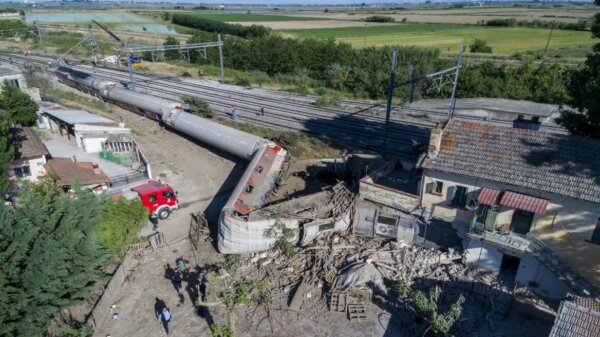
(159, 198)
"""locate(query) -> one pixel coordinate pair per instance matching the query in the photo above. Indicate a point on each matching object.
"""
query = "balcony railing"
(510, 240)
(541, 251)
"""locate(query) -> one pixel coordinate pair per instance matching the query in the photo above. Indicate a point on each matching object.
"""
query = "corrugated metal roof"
(536, 160)
(77, 116)
(524, 202)
(488, 196)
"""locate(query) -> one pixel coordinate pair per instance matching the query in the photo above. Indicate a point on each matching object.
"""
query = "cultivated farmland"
(447, 37)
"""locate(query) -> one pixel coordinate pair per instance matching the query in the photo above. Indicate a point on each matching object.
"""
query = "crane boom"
(121, 42)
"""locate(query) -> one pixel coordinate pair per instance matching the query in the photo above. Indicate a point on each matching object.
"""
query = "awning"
(524, 202)
(488, 196)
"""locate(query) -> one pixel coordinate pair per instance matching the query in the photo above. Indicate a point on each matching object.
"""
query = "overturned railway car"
(267, 160)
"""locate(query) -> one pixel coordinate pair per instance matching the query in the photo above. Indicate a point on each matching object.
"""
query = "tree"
(198, 106)
(49, 254)
(7, 154)
(480, 46)
(16, 106)
(584, 89)
(121, 224)
(428, 307)
(171, 54)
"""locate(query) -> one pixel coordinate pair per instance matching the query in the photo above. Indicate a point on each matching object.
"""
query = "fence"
(125, 159)
(103, 307)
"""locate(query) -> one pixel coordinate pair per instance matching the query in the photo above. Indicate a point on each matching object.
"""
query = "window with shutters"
(458, 196)
(436, 187)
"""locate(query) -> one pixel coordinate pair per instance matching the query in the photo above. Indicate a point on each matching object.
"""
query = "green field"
(242, 17)
(447, 37)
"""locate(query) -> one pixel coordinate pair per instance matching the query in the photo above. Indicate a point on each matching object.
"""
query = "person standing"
(177, 280)
(233, 113)
(165, 317)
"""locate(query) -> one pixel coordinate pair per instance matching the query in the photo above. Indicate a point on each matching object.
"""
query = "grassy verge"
(300, 146)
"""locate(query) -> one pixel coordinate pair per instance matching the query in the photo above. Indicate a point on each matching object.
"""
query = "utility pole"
(39, 33)
(129, 65)
(455, 83)
(549, 36)
(391, 86)
(220, 43)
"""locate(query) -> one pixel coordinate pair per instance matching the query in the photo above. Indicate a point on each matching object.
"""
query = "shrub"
(120, 226)
(198, 106)
(480, 46)
(378, 18)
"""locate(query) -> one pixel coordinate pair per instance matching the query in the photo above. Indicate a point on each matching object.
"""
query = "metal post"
(39, 33)
(221, 56)
(129, 65)
(549, 36)
(388, 109)
(366, 35)
(455, 83)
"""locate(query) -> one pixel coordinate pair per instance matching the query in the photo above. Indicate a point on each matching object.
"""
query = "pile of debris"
(343, 271)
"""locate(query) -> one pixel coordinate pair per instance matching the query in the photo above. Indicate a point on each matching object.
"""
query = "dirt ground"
(204, 179)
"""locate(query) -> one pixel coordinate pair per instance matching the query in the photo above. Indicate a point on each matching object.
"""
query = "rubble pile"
(348, 269)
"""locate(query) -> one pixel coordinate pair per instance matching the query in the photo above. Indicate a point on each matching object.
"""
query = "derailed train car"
(237, 233)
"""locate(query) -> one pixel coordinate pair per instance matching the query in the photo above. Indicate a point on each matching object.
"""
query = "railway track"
(360, 129)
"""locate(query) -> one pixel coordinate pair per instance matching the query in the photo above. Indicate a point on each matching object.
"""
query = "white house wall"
(567, 225)
(489, 257)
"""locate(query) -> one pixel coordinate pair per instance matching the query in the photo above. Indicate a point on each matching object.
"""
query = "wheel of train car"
(164, 213)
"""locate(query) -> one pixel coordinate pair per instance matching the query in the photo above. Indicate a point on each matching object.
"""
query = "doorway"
(521, 221)
(509, 267)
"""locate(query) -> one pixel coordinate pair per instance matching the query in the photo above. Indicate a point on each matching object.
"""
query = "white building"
(30, 157)
(526, 202)
(89, 131)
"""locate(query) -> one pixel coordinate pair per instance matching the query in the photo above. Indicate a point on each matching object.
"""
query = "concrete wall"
(388, 196)
(566, 226)
(18, 77)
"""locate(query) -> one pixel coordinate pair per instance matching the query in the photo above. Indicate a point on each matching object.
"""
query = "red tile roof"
(68, 172)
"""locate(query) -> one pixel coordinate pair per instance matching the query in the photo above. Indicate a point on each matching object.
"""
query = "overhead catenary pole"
(391, 86)
(129, 65)
(220, 42)
(455, 82)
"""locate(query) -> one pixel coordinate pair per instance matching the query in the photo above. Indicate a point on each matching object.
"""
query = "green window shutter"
(490, 220)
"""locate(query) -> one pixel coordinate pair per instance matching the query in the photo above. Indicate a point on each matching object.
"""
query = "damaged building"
(526, 202)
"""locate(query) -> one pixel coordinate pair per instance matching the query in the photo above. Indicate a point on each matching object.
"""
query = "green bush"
(192, 21)
(480, 46)
(378, 18)
(121, 224)
(198, 106)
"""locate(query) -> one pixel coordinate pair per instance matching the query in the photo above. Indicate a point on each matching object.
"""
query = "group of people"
(233, 112)
(176, 275)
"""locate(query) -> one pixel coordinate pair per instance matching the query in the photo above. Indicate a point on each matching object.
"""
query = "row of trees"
(365, 71)
(584, 92)
(511, 22)
(193, 21)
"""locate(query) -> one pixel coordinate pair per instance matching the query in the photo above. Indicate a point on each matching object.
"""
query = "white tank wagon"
(267, 159)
